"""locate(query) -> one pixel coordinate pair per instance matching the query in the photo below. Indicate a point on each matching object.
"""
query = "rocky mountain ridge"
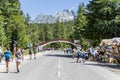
(61, 16)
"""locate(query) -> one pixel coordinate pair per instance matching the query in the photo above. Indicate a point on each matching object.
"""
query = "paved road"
(54, 65)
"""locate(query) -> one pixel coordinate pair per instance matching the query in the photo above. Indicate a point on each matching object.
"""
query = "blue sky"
(48, 7)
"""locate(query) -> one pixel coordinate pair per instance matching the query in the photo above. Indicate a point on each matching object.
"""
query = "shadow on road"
(7, 72)
(60, 55)
(27, 59)
(3, 72)
(109, 65)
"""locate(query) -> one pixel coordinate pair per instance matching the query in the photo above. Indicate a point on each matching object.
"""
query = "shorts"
(18, 60)
(30, 53)
(7, 58)
(78, 56)
(35, 52)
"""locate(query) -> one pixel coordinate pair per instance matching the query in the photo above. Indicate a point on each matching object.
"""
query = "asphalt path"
(55, 65)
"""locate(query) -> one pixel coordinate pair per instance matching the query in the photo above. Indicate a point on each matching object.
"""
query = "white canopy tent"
(106, 42)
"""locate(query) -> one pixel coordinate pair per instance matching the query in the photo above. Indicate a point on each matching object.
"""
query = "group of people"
(80, 54)
(17, 55)
(32, 51)
(66, 50)
(18, 58)
(100, 54)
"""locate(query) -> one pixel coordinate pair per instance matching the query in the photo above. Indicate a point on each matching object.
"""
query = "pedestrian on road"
(83, 55)
(67, 50)
(23, 52)
(30, 53)
(1, 54)
(74, 53)
(64, 50)
(18, 59)
(35, 50)
(7, 55)
(78, 55)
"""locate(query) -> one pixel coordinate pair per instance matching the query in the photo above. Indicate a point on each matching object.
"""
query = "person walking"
(1, 54)
(78, 55)
(7, 55)
(67, 50)
(83, 55)
(18, 59)
(23, 52)
(74, 53)
(30, 53)
(35, 50)
(64, 50)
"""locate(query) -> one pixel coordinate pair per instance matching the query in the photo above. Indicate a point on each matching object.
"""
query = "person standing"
(18, 59)
(7, 55)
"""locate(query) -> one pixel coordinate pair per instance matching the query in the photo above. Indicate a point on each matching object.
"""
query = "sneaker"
(7, 72)
(34, 57)
(18, 71)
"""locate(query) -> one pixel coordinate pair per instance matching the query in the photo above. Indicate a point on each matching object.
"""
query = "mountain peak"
(62, 16)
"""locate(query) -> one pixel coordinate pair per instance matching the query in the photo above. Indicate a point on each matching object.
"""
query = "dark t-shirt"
(30, 51)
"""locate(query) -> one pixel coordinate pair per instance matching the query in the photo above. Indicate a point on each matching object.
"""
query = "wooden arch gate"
(41, 45)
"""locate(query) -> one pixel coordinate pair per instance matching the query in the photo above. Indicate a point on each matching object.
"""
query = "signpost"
(30, 45)
(76, 41)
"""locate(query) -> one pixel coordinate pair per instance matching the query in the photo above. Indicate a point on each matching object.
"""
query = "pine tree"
(2, 33)
(102, 15)
(80, 22)
(47, 32)
(13, 22)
